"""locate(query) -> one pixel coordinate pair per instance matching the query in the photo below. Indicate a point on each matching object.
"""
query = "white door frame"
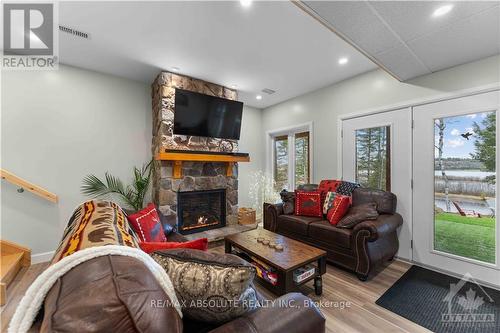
(412, 104)
(424, 251)
(290, 131)
(398, 121)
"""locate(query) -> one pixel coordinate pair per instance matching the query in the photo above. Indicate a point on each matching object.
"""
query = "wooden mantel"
(177, 157)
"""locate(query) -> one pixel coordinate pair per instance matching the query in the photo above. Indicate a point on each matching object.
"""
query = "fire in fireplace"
(201, 210)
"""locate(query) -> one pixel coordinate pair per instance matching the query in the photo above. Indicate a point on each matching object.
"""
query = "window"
(291, 158)
(373, 154)
(465, 185)
(281, 162)
(302, 158)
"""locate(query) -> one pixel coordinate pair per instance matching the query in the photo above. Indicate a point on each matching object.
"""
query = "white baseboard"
(41, 257)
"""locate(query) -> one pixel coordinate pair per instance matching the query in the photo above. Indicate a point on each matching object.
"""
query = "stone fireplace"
(172, 181)
(201, 210)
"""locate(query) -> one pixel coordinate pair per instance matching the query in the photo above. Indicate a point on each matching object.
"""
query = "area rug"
(442, 303)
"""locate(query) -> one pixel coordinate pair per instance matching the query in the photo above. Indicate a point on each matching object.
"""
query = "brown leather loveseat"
(360, 249)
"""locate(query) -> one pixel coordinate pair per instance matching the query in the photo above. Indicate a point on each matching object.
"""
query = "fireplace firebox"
(201, 210)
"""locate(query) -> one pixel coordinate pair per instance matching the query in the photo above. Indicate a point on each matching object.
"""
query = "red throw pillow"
(146, 224)
(308, 203)
(328, 185)
(197, 244)
(339, 208)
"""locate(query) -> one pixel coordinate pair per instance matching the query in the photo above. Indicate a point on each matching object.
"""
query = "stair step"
(11, 264)
(13, 257)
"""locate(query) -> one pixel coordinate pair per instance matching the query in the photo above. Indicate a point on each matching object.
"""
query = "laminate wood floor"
(16, 290)
(363, 315)
(339, 287)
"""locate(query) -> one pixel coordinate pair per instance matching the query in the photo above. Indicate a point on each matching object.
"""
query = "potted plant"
(112, 188)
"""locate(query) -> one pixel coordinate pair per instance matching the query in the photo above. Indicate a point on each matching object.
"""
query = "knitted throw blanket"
(97, 228)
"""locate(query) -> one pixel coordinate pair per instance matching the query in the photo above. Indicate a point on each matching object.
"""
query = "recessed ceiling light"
(246, 3)
(259, 97)
(442, 10)
(175, 69)
(343, 61)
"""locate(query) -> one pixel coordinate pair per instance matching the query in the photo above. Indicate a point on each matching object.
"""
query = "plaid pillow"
(327, 185)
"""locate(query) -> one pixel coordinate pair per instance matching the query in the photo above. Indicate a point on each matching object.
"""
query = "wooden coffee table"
(294, 255)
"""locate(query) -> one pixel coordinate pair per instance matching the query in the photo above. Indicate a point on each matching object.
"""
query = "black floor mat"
(442, 303)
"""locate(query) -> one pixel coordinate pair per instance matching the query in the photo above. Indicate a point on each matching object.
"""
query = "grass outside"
(465, 236)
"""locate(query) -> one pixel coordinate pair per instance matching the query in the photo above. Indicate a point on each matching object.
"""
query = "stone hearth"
(215, 235)
(196, 176)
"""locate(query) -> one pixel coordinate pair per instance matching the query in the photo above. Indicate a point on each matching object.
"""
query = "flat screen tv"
(203, 115)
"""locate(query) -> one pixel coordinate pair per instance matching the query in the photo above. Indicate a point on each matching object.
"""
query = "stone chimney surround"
(171, 177)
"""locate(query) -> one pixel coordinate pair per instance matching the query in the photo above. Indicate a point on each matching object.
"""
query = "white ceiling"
(406, 39)
(271, 45)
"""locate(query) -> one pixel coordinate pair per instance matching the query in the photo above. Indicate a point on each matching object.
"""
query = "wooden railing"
(26, 185)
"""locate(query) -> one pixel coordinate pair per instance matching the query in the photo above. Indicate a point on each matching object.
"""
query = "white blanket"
(35, 295)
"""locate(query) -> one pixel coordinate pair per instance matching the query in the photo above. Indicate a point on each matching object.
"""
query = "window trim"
(290, 131)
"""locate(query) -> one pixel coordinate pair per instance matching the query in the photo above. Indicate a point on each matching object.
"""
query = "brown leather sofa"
(119, 294)
(361, 249)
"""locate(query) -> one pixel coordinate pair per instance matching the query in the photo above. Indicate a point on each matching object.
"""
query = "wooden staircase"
(13, 258)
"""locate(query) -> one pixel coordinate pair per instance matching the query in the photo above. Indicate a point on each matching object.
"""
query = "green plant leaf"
(132, 196)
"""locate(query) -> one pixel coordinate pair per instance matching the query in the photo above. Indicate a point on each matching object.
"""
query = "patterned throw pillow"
(308, 203)
(328, 203)
(340, 207)
(328, 185)
(346, 188)
(146, 224)
(358, 214)
(211, 287)
(288, 199)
